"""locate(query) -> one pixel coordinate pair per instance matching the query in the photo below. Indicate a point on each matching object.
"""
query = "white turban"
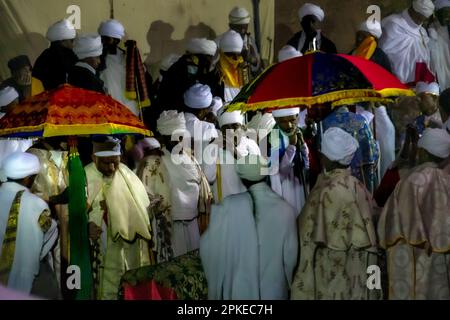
(19, 165)
(61, 30)
(8, 95)
(230, 117)
(339, 146)
(311, 9)
(89, 45)
(373, 27)
(288, 52)
(239, 16)
(170, 121)
(252, 167)
(110, 147)
(280, 113)
(424, 7)
(231, 41)
(198, 96)
(436, 142)
(201, 46)
(217, 103)
(431, 88)
(440, 4)
(149, 143)
(168, 61)
(111, 28)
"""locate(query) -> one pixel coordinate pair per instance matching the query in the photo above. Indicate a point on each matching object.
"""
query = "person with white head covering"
(9, 97)
(54, 63)
(83, 74)
(417, 212)
(119, 224)
(28, 233)
(288, 52)
(336, 224)
(406, 43)
(428, 101)
(289, 156)
(311, 37)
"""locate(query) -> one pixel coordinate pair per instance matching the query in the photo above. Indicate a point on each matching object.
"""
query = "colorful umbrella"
(70, 111)
(319, 78)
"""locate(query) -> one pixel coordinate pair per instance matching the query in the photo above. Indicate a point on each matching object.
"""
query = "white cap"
(168, 61)
(440, 4)
(288, 52)
(311, 9)
(8, 95)
(252, 167)
(89, 45)
(198, 96)
(239, 15)
(431, 88)
(61, 30)
(170, 121)
(149, 143)
(201, 46)
(424, 7)
(110, 147)
(436, 142)
(230, 117)
(19, 165)
(339, 146)
(111, 28)
(373, 27)
(280, 113)
(231, 41)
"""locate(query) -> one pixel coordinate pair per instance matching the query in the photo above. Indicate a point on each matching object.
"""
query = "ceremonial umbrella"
(70, 111)
(319, 78)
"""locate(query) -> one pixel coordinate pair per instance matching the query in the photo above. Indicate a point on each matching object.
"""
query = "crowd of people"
(281, 204)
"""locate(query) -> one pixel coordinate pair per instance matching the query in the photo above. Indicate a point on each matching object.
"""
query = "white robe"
(385, 132)
(405, 43)
(114, 77)
(10, 146)
(440, 53)
(32, 244)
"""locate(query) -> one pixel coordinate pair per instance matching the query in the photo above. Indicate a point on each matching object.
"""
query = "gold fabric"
(230, 69)
(367, 48)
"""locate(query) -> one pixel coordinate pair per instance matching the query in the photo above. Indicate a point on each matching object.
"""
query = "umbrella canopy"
(319, 78)
(70, 111)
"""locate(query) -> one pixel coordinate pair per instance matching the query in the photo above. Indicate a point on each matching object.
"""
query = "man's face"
(360, 36)
(68, 43)
(109, 43)
(239, 28)
(428, 103)
(310, 24)
(287, 124)
(443, 16)
(94, 62)
(107, 165)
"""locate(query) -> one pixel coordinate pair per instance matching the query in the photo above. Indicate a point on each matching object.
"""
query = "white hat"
(201, 46)
(168, 61)
(19, 165)
(170, 121)
(436, 142)
(149, 143)
(231, 41)
(89, 45)
(339, 146)
(198, 96)
(110, 147)
(61, 30)
(288, 52)
(230, 117)
(252, 167)
(431, 88)
(311, 9)
(217, 103)
(373, 27)
(8, 95)
(280, 113)
(440, 4)
(111, 28)
(424, 7)
(239, 15)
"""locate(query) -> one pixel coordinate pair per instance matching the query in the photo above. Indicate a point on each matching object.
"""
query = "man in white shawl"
(27, 232)
(119, 226)
(405, 41)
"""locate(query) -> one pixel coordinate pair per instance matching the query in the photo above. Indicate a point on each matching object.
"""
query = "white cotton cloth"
(169, 61)
(338, 145)
(19, 165)
(239, 15)
(170, 121)
(201, 46)
(440, 4)
(368, 116)
(111, 28)
(230, 117)
(253, 167)
(373, 27)
(288, 52)
(436, 142)
(440, 53)
(231, 41)
(424, 7)
(217, 104)
(385, 135)
(89, 45)
(279, 113)
(311, 9)
(431, 88)
(149, 143)
(61, 30)
(198, 96)
(107, 148)
(8, 95)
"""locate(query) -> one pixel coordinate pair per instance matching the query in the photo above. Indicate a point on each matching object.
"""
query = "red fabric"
(148, 291)
(387, 186)
(423, 73)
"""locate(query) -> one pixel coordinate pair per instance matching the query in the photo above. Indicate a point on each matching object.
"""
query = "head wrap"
(230, 117)
(339, 146)
(8, 95)
(280, 113)
(239, 15)
(440, 4)
(168, 61)
(109, 147)
(19, 165)
(231, 41)
(431, 88)
(217, 103)
(170, 121)
(436, 142)
(111, 28)
(201, 46)
(424, 7)
(87, 46)
(61, 30)
(198, 96)
(373, 27)
(252, 167)
(311, 9)
(18, 63)
(149, 143)
(288, 52)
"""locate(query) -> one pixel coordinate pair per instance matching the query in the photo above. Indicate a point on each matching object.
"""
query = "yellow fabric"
(230, 70)
(36, 86)
(367, 48)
